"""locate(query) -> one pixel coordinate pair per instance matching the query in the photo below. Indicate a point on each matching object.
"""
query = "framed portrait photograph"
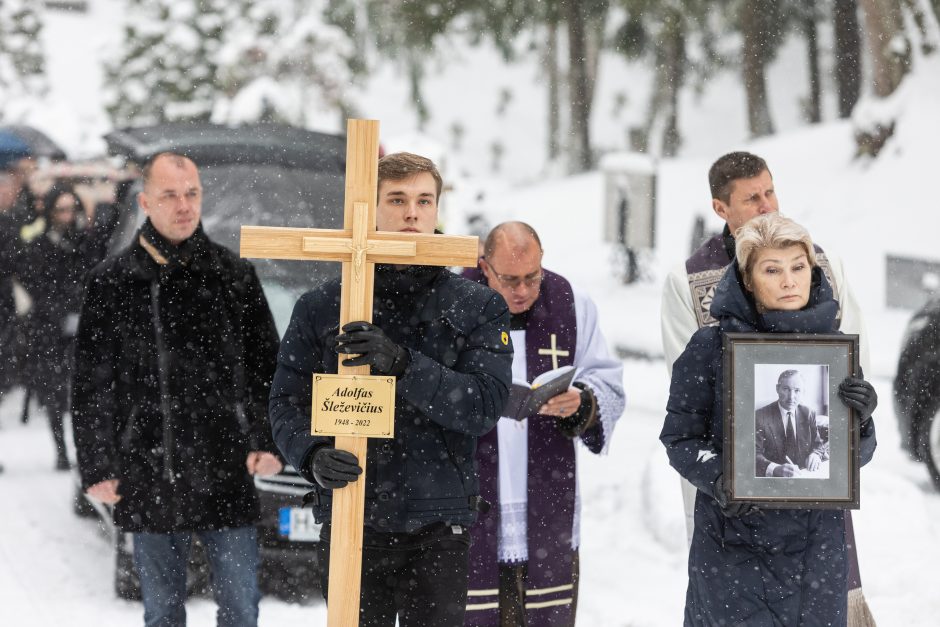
(789, 442)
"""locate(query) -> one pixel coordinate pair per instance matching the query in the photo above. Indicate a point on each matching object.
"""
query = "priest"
(524, 555)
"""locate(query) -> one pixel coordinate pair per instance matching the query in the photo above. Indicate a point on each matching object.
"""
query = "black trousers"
(419, 577)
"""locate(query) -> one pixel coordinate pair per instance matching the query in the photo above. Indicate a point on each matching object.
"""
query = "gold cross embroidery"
(554, 352)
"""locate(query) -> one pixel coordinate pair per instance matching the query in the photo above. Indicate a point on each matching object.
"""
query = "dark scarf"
(406, 282)
(736, 311)
(551, 486)
(401, 296)
(194, 248)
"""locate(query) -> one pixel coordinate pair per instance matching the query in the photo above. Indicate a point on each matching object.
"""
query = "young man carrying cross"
(446, 340)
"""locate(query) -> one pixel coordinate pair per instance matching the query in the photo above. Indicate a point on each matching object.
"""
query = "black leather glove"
(334, 468)
(730, 510)
(860, 396)
(372, 348)
(581, 420)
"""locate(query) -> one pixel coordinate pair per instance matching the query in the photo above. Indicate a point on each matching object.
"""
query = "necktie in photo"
(791, 448)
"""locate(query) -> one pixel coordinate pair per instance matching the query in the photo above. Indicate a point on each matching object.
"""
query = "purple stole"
(551, 486)
(705, 268)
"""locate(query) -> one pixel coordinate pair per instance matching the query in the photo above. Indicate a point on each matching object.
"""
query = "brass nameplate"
(348, 404)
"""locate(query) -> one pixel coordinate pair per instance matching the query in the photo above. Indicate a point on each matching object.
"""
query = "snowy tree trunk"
(675, 77)
(550, 63)
(848, 51)
(753, 66)
(891, 54)
(925, 18)
(578, 89)
(593, 42)
(888, 44)
(813, 104)
(663, 113)
(415, 78)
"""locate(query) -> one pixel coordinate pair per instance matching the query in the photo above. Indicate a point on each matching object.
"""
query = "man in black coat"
(446, 339)
(173, 362)
(786, 439)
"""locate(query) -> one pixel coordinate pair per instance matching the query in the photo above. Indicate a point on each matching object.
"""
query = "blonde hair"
(770, 230)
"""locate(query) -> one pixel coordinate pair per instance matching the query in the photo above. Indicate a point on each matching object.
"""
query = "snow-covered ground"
(56, 568)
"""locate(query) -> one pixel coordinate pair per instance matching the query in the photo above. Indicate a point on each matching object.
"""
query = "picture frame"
(789, 442)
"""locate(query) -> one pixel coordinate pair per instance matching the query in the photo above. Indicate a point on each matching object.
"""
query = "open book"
(525, 400)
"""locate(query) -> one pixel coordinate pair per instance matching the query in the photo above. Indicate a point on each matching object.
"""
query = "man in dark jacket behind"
(173, 362)
(446, 339)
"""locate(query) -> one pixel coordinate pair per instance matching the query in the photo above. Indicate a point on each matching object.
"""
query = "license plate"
(297, 523)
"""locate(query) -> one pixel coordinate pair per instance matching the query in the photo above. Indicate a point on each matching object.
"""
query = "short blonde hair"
(770, 230)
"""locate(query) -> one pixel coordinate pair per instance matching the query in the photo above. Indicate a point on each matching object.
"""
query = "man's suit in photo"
(770, 437)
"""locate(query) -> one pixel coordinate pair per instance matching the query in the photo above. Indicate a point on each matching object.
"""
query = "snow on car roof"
(212, 143)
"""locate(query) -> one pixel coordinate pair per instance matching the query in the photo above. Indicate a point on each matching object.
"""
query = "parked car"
(251, 175)
(917, 388)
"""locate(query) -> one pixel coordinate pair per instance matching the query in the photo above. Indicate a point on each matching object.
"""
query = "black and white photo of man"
(787, 442)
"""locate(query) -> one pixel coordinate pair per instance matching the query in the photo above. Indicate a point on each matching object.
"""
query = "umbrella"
(37, 142)
(12, 149)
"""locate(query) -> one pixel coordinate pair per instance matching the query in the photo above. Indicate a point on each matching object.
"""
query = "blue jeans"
(161, 560)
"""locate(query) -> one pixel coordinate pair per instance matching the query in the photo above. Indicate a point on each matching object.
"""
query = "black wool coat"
(179, 454)
(11, 263)
(53, 274)
(775, 566)
(457, 334)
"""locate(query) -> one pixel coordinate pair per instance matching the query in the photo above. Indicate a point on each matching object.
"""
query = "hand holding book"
(527, 400)
(562, 405)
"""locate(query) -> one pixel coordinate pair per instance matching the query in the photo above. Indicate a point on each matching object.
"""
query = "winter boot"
(58, 437)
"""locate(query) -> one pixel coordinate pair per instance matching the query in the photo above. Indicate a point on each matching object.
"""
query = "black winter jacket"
(11, 263)
(53, 275)
(451, 393)
(219, 345)
(775, 566)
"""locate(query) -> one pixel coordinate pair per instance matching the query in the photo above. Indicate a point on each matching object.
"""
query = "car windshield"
(268, 195)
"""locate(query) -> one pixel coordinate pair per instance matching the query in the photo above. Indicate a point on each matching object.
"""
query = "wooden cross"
(554, 352)
(359, 247)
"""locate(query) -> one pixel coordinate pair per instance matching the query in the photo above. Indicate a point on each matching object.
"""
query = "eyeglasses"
(512, 282)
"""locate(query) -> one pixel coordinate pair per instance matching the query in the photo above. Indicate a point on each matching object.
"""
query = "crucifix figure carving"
(554, 352)
(359, 246)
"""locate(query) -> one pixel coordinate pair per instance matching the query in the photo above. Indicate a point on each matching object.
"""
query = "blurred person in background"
(12, 152)
(56, 263)
(750, 566)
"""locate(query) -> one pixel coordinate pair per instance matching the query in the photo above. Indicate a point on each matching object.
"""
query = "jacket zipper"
(169, 472)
